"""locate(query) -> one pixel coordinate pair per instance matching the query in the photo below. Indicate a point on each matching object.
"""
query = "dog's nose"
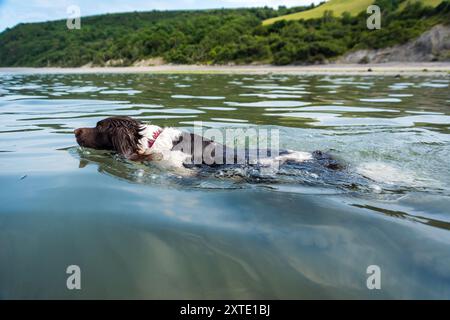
(77, 132)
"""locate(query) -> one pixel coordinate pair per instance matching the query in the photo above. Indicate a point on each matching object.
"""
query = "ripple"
(175, 110)
(25, 87)
(433, 85)
(127, 92)
(228, 120)
(426, 118)
(381, 100)
(275, 87)
(330, 119)
(323, 118)
(388, 174)
(270, 96)
(423, 112)
(182, 96)
(84, 89)
(401, 85)
(20, 97)
(144, 106)
(51, 106)
(167, 117)
(215, 124)
(289, 92)
(401, 95)
(218, 108)
(264, 104)
(334, 108)
(330, 86)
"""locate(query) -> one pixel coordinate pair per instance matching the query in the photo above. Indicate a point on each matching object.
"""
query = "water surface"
(139, 232)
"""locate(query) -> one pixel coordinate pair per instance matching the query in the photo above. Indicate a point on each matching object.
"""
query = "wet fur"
(122, 135)
(119, 134)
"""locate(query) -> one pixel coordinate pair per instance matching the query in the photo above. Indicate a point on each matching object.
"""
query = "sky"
(13, 12)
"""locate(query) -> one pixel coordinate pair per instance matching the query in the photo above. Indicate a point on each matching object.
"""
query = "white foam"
(297, 156)
(173, 159)
(385, 173)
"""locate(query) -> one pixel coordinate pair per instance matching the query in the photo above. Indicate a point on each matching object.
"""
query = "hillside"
(431, 3)
(225, 36)
(338, 7)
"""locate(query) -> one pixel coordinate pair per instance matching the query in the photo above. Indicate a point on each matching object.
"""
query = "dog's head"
(120, 134)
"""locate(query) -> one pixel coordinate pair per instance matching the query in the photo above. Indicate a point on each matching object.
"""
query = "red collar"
(155, 135)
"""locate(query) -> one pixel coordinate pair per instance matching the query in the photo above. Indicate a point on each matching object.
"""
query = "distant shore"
(395, 68)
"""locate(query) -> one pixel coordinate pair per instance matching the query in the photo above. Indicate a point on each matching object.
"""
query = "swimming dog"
(138, 141)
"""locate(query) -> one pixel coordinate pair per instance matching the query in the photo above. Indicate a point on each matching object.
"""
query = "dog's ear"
(124, 141)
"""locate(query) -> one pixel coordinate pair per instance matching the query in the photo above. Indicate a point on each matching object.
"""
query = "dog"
(138, 141)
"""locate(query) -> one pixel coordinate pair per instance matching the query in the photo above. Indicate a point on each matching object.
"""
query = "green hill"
(338, 7)
(431, 3)
(222, 36)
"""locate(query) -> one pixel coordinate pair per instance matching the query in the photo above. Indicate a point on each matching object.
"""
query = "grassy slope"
(432, 3)
(338, 7)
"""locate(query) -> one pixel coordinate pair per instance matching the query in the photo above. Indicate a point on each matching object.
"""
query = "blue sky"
(13, 12)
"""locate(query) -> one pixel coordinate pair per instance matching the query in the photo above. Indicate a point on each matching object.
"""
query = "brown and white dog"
(175, 148)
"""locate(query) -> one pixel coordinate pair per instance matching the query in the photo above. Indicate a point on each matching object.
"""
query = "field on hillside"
(432, 3)
(340, 6)
(337, 6)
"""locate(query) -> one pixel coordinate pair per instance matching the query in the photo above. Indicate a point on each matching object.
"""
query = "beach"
(395, 68)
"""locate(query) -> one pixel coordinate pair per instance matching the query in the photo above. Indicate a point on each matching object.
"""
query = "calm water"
(139, 232)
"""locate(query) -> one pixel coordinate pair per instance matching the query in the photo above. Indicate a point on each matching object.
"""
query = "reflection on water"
(138, 231)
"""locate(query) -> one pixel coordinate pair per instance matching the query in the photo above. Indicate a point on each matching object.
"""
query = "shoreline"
(394, 68)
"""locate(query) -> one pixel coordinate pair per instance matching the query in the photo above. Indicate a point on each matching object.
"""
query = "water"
(139, 232)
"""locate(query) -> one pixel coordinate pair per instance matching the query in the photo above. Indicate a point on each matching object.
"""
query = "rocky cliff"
(433, 45)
